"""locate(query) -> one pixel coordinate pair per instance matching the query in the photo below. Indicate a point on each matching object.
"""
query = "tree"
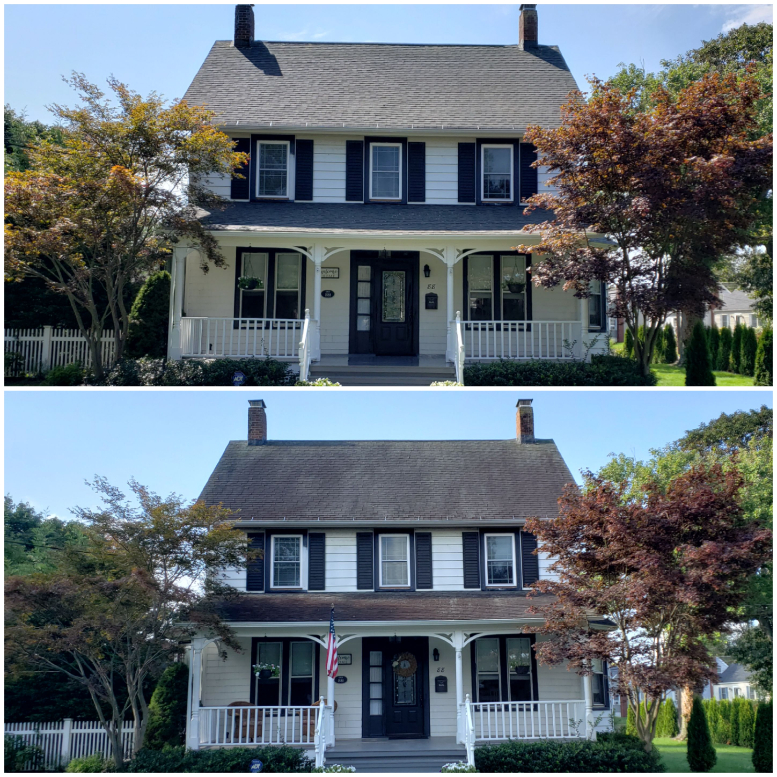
(698, 370)
(660, 346)
(736, 348)
(628, 343)
(724, 349)
(713, 342)
(666, 563)
(748, 350)
(615, 174)
(667, 720)
(147, 334)
(764, 736)
(670, 345)
(20, 135)
(746, 724)
(103, 209)
(120, 611)
(701, 754)
(167, 709)
(755, 274)
(763, 360)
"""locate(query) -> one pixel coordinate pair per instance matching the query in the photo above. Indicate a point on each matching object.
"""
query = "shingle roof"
(733, 300)
(735, 673)
(457, 479)
(344, 219)
(381, 606)
(382, 86)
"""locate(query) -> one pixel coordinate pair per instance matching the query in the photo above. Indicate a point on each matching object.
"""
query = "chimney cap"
(524, 403)
(256, 403)
(527, 6)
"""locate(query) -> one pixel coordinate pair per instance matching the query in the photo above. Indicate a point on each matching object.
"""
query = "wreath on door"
(405, 665)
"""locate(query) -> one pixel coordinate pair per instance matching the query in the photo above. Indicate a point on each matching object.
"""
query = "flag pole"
(330, 695)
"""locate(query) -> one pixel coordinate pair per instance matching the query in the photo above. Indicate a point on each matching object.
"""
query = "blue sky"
(160, 47)
(171, 440)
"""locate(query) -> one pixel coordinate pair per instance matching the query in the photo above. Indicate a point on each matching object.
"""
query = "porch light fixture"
(436, 654)
(384, 254)
(427, 271)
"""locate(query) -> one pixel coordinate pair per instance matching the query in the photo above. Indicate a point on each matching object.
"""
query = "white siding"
(220, 184)
(335, 310)
(442, 706)
(543, 175)
(442, 170)
(557, 682)
(447, 561)
(554, 304)
(348, 717)
(226, 681)
(328, 169)
(433, 324)
(340, 560)
(545, 561)
(212, 293)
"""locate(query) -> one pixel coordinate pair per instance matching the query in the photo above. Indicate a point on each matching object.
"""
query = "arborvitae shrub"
(763, 360)
(711, 711)
(736, 348)
(748, 351)
(746, 724)
(713, 341)
(724, 349)
(762, 745)
(167, 709)
(628, 344)
(670, 345)
(734, 722)
(631, 722)
(666, 725)
(724, 721)
(658, 347)
(701, 754)
(147, 334)
(698, 371)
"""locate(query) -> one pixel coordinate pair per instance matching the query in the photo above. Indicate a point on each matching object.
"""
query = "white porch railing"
(469, 732)
(258, 725)
(459, 355)
(38, 350)
(305, 348)
(246, 337)
(522, 339)
(494, 721)
(323, 725)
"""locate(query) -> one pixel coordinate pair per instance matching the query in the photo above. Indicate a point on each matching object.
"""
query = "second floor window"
(500, 559)
(385, 171)
(272, 168)
(286, 562)
(395, 560)
(497, 165)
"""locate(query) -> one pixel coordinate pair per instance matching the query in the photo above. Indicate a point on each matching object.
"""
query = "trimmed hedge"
(68, 375)
(238, 759)
(731, 721)
(602, 371)
(583, 756)
(670, 345)
(724, 349)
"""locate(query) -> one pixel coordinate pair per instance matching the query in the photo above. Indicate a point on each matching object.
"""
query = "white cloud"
(748, 14)
(305, 34)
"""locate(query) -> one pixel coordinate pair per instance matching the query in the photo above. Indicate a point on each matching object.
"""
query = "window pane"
(301, 659)
(496, 160)
(376, 658)
(286, 561)
(287, 304)
(488, 688)
(404, 690)
(480, 275)
(255, 266)
(301, 691)
(519, 656)
(487, 655)
(395, 573)
(364, 272)
(520, 687)
(376, 707)
(363, 306)
(376, 688)
(376, 674)
(251, 304)
(597, 683)
(499, 560)
(363, 289)
(273, 173)
(394, 548)
(385, 172)
(362, 323)
(497, 174)
(268, 692)
(287, 274)
(269, 653)
(394, 296)
(385, 158)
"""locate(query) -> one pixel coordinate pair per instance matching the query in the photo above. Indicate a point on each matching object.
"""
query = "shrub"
(601, 371)
(167, 709)
(317, 382)
(670, 345)
(14, 363)
(238, 759)
(340, 769)
(734, 722)
(736, 348)
(746, 724)
(631, 721)
(658, 347)
(69, 375)
(712, 711)
(713, 342)
(147, 334)
(628, 344)
(763, 360)
(666, 725)
(19, 756)
(701, 754)
(698, 371)
(724, 721)
(442, 383)
(577, 756)
(724, 349)
(618, 737)
(762, 745)
(748, 351)
(458, 767)
(91, 764)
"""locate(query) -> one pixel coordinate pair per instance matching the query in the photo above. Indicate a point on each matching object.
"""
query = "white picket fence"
(41, 349)
(67, 739)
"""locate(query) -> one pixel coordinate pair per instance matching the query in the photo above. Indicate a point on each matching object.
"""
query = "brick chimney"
(244, 26)
(524, 422)
(527, 26)
(257, 422)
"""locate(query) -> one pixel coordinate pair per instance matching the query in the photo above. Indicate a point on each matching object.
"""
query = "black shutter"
(239, 187)
(354, 170)
(528, 173)
(316, 561)
(303, 174)
(423, 560)
(364, 579)
(529, 561)
(467, 153)
(255, 567)
(416, 172)
(471, 543)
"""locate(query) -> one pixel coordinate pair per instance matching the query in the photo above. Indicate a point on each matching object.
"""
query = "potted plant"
(250, 283)
(267, 671)
(514, 287)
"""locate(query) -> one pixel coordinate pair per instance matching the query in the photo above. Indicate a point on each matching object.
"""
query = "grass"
(731, 759)
(672, 375)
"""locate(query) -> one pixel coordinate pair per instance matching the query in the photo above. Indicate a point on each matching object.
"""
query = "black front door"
(395, 680)
(384, 303)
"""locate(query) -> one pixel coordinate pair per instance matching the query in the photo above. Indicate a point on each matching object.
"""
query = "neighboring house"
(384, 193)
(419, 546)
(736, 307)
(734, 682)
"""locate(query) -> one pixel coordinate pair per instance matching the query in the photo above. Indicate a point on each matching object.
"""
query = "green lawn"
(730, 759)
(671, 375)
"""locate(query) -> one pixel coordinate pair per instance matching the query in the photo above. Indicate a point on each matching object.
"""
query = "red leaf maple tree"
(667, 568)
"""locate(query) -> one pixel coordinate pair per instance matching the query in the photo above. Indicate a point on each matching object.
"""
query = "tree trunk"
(684, 329)
(686, 705)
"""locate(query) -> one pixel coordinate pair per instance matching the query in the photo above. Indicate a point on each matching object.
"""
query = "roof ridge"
(383, 43)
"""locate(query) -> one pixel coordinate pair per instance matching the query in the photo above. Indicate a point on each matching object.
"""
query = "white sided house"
(420, 548)
(374, 223)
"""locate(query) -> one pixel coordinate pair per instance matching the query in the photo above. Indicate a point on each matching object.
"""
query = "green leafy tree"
(754, 272)
(20, 135)
(698, 370)
(724, 349)
(701, 754)
(748, 351)
(670, 345)
(764, 737)
(736, 349)
(763, 360)
(167, 709)
(713, 341)
(147, 334)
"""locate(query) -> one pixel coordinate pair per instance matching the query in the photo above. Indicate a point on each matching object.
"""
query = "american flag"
(331, 648)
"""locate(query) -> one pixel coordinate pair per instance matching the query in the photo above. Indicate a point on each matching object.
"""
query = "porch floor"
(371, 370)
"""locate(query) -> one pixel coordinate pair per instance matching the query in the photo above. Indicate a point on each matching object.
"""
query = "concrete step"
(399, 760)
(382, 376)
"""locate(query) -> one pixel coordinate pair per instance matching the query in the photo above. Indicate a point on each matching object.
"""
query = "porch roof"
(375, 480)
(347, 219)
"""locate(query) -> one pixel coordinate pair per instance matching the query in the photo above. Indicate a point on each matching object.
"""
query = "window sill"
(394, 202)
(272, 199)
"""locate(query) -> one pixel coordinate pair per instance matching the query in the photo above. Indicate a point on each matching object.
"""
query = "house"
(734, 682)
(419, 548)
(373, 226)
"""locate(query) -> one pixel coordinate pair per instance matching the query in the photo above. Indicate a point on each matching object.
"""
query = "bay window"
(272, 169)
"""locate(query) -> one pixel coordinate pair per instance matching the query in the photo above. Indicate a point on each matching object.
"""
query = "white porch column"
(588, 695)
(458, 642)
(330, 702)
(450, 260)
(318, 258)
(583, 324)
(174, 350)
(195, 684)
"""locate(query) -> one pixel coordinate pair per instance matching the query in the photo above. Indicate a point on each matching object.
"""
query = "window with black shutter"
(467, 171)
(530, 561)
(528, 155)
(255, 567)
(239, 189)
(423, 560)
(316, 561)
(354, 170)
(364, 570)
(303, 180)
(416, 172)
(471, 546)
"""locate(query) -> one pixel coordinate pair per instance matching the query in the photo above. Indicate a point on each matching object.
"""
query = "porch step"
(394, 757)
(368, 375)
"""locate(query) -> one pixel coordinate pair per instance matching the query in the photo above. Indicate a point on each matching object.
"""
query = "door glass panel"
(404, 687)
(363, 306)
(362, 323)
(363, 289)
(376, 682)
(393, 296)
(364, 272)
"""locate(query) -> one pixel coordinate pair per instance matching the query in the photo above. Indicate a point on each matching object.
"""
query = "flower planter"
(265, 674)
(516, 288)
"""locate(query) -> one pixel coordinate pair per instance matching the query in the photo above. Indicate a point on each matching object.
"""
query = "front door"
(384, 303)
(395, 680)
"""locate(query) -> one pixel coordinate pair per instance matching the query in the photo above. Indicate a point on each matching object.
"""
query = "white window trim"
(289, 171)
(292, 676)
(483, 148)
(299, 281)
(387, 199)
(380, 561)
(302, 562)
(514, 583)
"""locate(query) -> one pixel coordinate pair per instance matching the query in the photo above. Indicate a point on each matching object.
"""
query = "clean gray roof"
(733, 299)
(382, 86)
(735, 673)
(349, 219)
(375, 480)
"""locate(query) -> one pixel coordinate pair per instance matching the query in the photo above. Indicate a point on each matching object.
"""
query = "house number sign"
(330, 272)
(327, 294)
(341, 679)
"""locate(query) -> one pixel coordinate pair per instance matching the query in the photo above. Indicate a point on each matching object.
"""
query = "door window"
(393, 296)
(404, 687)
(363, 297)
(376, 682)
